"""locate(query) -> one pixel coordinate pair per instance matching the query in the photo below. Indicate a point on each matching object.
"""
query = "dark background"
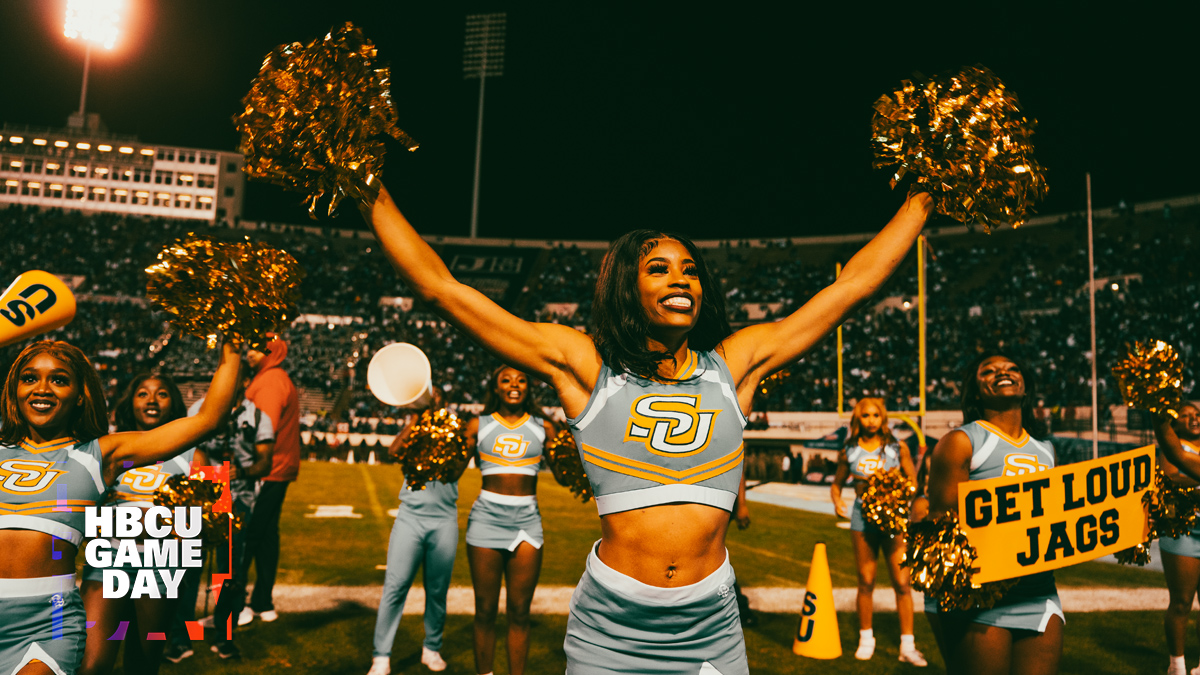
(750, 121)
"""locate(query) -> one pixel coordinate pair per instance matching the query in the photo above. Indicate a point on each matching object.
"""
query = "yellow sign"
(1044, 520)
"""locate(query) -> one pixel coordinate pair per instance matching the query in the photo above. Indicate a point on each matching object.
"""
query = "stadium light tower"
(94, 22)
(483, 57)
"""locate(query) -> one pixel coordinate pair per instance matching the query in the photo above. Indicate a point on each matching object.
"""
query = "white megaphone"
(400, 375)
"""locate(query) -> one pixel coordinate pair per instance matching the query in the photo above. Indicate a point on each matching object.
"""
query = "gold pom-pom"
(941, 560)
(181, 490)
(435, 449)
(563, 457)
(770, 383)
(965, 137)
(1172, 508)
(886, 501)
(208, 287)
(314, 115)
(1151, 377)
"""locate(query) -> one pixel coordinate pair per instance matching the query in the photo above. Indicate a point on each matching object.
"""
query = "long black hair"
(972, 404)
(619, 324)
(123, 413)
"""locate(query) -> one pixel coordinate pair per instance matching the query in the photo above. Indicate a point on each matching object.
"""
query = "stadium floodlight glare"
(483, 57)
(93, 22)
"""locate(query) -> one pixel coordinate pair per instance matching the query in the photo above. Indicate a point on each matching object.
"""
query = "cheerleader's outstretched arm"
(1169, 445)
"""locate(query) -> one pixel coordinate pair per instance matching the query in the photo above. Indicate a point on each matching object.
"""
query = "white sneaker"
(246, 616)
(206, 622)
(380, 665)
(1195, 671)
(268, 616)
(913, 656)
(431, 659)
(866, 649)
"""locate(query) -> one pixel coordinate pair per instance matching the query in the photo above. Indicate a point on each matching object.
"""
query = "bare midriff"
(665, 546)
(512, 484)
(29, 554)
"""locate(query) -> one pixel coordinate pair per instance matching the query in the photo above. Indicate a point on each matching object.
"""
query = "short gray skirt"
(618, 624)
(43, 621)
(504, 521)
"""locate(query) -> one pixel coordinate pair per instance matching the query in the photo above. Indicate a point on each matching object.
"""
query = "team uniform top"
(437, 500)
(865, 462)
(1195, 450)
(45, 487)
(510, 447)
(995, 453)
(136, 487)
(645, 442)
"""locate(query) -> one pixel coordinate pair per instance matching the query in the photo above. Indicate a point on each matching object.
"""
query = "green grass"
(339, 642)
(775, 551)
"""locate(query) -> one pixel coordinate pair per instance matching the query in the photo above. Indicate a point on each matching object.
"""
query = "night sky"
(748, 122)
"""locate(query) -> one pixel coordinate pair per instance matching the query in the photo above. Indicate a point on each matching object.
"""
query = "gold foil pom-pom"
(208, 287)
(314, 115)
(963, 134)
(1172, 510)
(563, 457)
(886, 501)
(941, 560)
(180, 490)
(1151, 378)
(435, 449)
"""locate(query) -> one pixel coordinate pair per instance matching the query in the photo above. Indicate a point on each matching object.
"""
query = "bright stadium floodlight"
(483, 57)
(93, 22)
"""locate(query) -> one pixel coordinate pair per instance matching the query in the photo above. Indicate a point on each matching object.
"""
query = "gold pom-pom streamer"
(563, 457)
(1151, 377)
(435, 449)
(314, 115)
(886, 501)
(770, 383)
(964, 136)
(1172, 508)
(941, 560)
(180, 490)
(208, 287)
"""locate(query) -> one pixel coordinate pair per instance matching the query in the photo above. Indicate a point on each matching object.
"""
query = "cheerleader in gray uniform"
(871, 447)
(56, 460)
(425, 535)
(656, 395)
(1181, 555)
(1022, 634)
(149, 402)
(504, 531)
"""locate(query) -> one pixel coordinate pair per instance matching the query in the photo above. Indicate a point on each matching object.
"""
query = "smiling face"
(1000, 381)
(1187, 425)
(48, 394)
(151, 404)
(512, 386)
(669, 286)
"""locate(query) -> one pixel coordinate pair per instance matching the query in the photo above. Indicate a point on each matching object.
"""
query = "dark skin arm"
(839, 482)
(1169, 445)
(264, 452)
(741, 510)
(950, 466)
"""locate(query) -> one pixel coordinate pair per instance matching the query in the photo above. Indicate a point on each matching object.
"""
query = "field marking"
(769, 554)
(373, 499)
(291, 598)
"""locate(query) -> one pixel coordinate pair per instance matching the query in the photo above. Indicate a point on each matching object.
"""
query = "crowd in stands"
(1023, 290)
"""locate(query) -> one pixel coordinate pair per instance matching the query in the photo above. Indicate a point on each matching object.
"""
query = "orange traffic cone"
(817, 635)
(34, 303)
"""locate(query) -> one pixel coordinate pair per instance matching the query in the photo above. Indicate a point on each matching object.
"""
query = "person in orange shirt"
(273, 393)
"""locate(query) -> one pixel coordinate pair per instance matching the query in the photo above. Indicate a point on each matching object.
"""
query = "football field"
(346, 550)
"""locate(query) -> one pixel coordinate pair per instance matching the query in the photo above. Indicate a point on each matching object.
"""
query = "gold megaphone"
(34, 303)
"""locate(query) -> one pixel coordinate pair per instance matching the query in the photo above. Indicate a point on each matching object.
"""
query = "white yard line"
(555, 599)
